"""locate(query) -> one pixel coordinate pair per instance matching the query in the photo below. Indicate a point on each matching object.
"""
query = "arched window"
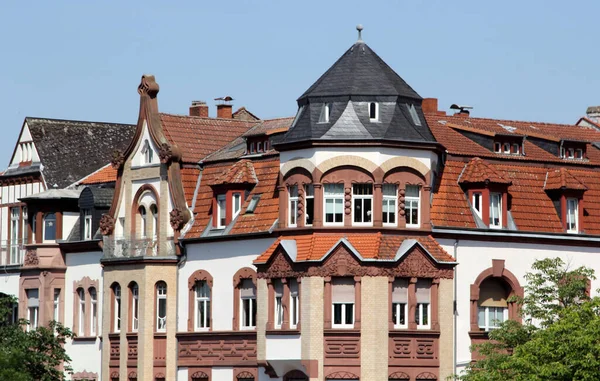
(116, 310)
(135, 306)
(244, 299)
(50, 227)
(492, 307)
(81, 307)
(93, 311)
(154, 212)
(143, 221)
(161, 307)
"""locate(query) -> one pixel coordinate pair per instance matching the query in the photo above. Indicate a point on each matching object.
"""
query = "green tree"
(560, 335)
(35, 355)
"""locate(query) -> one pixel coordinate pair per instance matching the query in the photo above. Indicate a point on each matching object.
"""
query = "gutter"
(515, 234)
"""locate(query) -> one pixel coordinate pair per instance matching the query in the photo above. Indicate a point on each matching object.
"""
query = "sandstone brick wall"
(262, 311)
(446, 319)
(374, 329)
(311, 310)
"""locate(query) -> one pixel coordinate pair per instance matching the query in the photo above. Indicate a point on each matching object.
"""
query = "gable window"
(237, 204)
(422, 312)
(221, 211)
(495, 210)
(56, 311)
(143, 221)
(412, 198)
(309, 204)
(572, 215)
(497, 147)
(476, 202)
(148, 152)
(94, 311)
(135, 306)
(293, 205)
(161, 307)
(390, 195)
(202, 299)
(15, 249)
(492, 305)
(400, 303)
(50, 227)
(334, 204)
(116, 289)
(81, 300)
(294, 303)
(373, 111)
(342, 298)
(325, 113)
(278, 288)
(87, 224)
(33, 308)
(248, 305)
(362, 200)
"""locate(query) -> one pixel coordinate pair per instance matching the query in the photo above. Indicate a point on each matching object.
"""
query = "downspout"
(455, 346)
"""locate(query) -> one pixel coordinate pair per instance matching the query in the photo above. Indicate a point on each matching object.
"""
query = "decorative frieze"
(217, 349)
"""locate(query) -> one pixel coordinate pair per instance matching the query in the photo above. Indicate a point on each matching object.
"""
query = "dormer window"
(497, 147)
(237, 204)
(578, 153)
(259, 147)
(266, 145)
(374, 112)
(572, 150)
(515, 148)
(221, 211)
(572, 215)
(325, 113)
(413, 114)
(495, 210)
(87, 224)
(506, 147)
(476, 202)
(251, 150)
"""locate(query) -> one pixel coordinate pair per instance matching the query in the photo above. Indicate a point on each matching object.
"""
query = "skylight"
(253, 203)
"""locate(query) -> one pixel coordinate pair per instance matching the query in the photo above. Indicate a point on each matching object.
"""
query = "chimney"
(593, 113)
(430, 105)
(224, 107)
(199, 108)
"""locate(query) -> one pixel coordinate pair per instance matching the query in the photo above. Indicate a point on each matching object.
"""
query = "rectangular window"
(412, 202)
(135, 308)
(495, 210)
(81, 302)
(342, 297)
(422, 312)
(259, 147)
(578, 153)
(309, 204)
(55, 315)
(117, 309)
(325, 113)
(562, 152)
(237, 204)
(252, 147)
(87, 224)
(34, 228)
(248, 299)
(24, 230)
(334, 204)
(15, 247)
(94, 311)
(400, 303)
(572, 215)
(202, 305)
(221, 211)
(278, 288)
(506, 147)
(477, 203)
(489, 318)
(390, 195)
(33, 308)
(497, 147)
(161, 307)
(373, 111)
(362, 200)
(294, 303)
(293, 206)
(571, 153)
(515, 148)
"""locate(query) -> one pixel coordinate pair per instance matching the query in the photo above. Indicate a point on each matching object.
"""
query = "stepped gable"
(562, 179)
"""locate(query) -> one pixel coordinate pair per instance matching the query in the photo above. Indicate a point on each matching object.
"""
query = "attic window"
(374, 111)
(252, 205)
(147, 152)
(506, 147)
(572, 151)
(251, 150)
(497, 147)
(325, 113)
(414, 115)
(259, 147)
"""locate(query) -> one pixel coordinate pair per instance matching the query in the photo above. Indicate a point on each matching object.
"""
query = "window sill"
(282, 332)
(414, 332)
(479, 335)
(85, 338)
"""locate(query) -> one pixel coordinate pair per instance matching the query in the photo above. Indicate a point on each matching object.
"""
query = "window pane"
(207, 313)
(349, 313)
(337, 314)
(253, 312)
(310, 208)
(339, 215)
(50, 227)
(412, 191)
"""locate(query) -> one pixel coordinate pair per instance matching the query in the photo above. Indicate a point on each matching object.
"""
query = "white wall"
(9, 283)
(476, 256)
(222, 374)
(182, 374)
(222, 260)
(138, 156)
(283, 347)
(85, 355)
(69, 221)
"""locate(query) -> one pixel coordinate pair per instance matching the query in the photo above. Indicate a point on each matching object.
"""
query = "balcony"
(12, 253)
(137, 248)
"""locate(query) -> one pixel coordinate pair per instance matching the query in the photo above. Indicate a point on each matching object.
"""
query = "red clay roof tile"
(241, 172)
(562, 179)
(478, 171)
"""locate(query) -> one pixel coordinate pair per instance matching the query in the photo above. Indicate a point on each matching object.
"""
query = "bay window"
(248, 305)
(362, 200)
(278, 288)
(309, 204)
(33, 308)
(294, 303)
(221, 211)
(342, 302)
(293, 205)
(161, 307)
(202, 300)
(412, 203)
(572, 215)
(423, 308)
(334, 204)
(400, 303)
(390, 195)
(495, 210)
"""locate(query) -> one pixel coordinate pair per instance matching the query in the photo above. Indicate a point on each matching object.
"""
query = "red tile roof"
(312, 247)
(478, 171)
(271, 126)
(241, 172)
(189, 178)
(106, 174)
(562, 179)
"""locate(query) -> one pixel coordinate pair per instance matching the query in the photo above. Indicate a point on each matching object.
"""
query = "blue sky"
(525, 60)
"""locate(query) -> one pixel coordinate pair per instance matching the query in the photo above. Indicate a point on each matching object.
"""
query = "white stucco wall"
(476, 256)
(69, 220)
(284, 347)
(9, 283)
(222, 374)
(86, 355)
(138, 156)
(222, 260)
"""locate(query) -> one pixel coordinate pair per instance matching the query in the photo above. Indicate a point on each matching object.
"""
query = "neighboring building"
(371, 237)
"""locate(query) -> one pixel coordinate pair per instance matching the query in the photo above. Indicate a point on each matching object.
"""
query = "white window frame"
(506, 148)
(154, 211)
(24, 228)
(56, 304)
(579, 152)
(33, 312)
(204, 303)
(497, 147)
(572, 216)
(499, 197)
(278, 311)
(221, 211)
(87, 224)
(408, 200)
(477, 195)
(400, 307)
(571, 153)
(308, 195)
(236, 202)
(251, 301)
(161, 297)
(293, 206)
(390, 200)
(422, 308)
(362, 198)
(117, 308)
(490, 325)
(334, 198)
(252, 148)
(143, 221)
(15, 249)
(135, 307)
(344, 308)
(376, 118)
(325, 113)
(93, 311)
(563, 152)
(294, 308)
(81, 311)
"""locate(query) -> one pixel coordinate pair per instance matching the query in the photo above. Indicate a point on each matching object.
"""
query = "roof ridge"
(79, 121)
(251, 122)
(504, 120)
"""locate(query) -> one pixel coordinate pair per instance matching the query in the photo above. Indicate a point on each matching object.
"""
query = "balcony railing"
(137, 248)
(12, 252)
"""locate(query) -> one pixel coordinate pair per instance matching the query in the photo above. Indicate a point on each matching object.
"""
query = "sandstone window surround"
(244, 299)
(283, 304)
(414, 303)
(134, 307)
(161, 306)
(342, 308)
(145, 213)
(115, 308)
(85, 307)
(200, 301)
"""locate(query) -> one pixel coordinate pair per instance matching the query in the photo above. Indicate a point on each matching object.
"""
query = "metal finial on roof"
(359, 28)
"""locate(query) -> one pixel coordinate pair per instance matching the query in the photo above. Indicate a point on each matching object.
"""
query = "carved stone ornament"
(117, 159)
(245, 375)
(107, 224)
(176, 218)
(399, 376)
(342, 262)
(31, 258)
(148, 86)
(85, 375)
(426, 376)
(165, 153)
(342, 376)
(199, 375)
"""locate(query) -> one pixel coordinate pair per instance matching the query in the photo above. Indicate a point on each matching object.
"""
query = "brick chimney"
(225, 111)
(593, 113)
(199, 108)
(430, 105)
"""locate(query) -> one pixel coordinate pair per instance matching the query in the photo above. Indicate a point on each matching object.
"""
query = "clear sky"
(526, 60)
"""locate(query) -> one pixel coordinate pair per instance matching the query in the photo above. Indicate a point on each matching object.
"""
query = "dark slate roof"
(360, 71)
(69, 150)
(102, 196)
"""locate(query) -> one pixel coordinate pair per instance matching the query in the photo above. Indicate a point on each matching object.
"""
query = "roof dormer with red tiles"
(566, 192)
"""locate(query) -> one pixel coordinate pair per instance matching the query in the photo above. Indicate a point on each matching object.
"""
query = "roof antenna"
(359, 28)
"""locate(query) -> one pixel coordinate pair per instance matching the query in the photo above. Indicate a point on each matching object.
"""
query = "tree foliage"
(31, 355)
(560, 335)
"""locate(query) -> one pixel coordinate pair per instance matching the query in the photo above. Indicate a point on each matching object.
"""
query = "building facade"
(370, 237)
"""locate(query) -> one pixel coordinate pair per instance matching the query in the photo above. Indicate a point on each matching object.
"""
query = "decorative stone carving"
(31, 258)
(216, 350)
(132, 375)
(342, 376)
(165, 153)
(199, 376)
(117, 159)
(177, 219)
(148, 86)
(407, 349)
(200, 275)
(107, 224)
(245, 375)
(426, 376)
(399, 376)
(84, 376)
(114, 375)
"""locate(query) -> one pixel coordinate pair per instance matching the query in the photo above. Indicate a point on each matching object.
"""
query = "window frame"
(87, 224)
(572, 212)
(81, 311)
(206, 302)
(93, 311)
(497, 147)
(143, 213)
(376, 118)
(15, 249)
(221, 211)
(309, 195)
(387, 199)
(344, 310)
(506, 148)
(478, 211)
(294, 304)
(292, 206)
(362, 198)
(161, 297)
(116, 313)
(135, 307)
(56, 305)
(488, 325)
(334, 198)
(422, 308)
(33, 312)
(252, 307)
(408, 210)
(397, 308)
(236, 204)
(497, 195)
(44, 238)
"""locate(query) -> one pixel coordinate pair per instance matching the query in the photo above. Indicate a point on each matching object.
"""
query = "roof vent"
(462, 109)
